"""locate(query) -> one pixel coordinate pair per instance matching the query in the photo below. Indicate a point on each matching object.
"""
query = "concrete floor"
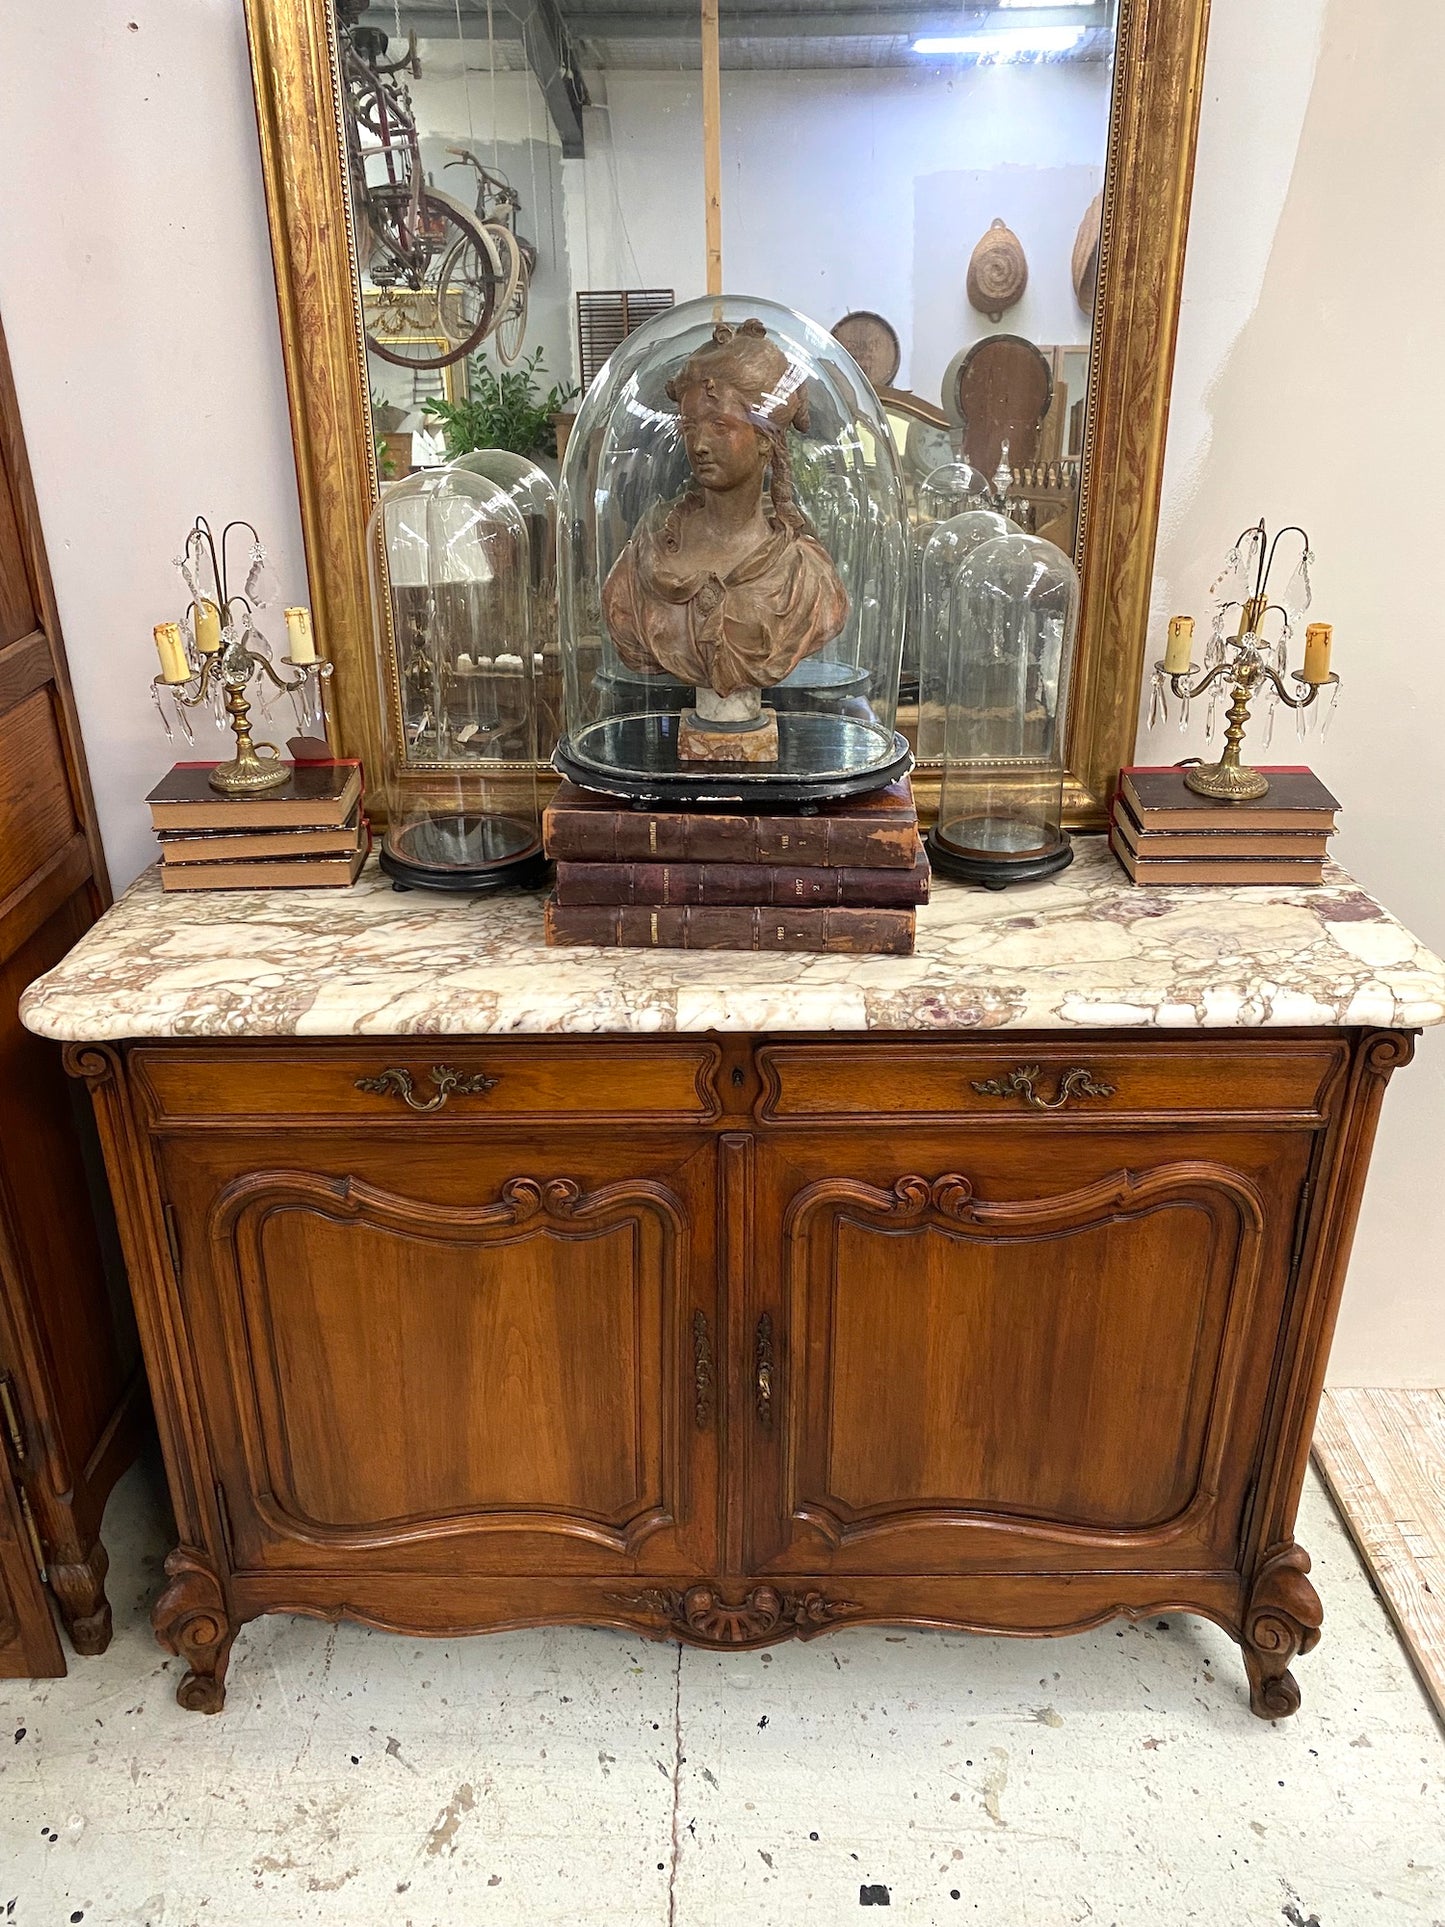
(577, 1777)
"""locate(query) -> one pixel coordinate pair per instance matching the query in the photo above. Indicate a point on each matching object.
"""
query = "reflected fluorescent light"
(1040, 6)
(1010, 43)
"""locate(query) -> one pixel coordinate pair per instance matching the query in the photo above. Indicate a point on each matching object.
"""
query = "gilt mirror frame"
(1149, 174)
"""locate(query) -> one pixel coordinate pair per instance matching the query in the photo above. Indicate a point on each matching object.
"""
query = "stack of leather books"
(306, 834)
(848, 878)
(1163, 832)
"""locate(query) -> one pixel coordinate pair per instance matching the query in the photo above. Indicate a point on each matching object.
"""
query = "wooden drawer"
(1024, 1081)
(393, 1081)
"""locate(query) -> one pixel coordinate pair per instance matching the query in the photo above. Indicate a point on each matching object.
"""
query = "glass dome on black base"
(733, 567)
(453, 599)
(1006, 639)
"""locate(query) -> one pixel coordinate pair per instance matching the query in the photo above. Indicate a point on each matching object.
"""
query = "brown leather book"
(287, 873)
(1230, 843)
(315, 796)
(739, 926)
(781, 885)
(864, 832)
(220, 846)
(1246, 870)
(1296, 800)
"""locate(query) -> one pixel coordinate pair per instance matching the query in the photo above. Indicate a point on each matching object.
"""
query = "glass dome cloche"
(936, 567)
(1007, 642)
(535, 495)
(453, 602)
(733, 566)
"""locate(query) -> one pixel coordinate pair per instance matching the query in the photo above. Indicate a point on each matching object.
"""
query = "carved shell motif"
(998, 272)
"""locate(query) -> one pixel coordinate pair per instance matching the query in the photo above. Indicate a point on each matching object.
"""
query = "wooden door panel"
(29, 1644)
(994, 1369)
(489, 1374)
(37, 811)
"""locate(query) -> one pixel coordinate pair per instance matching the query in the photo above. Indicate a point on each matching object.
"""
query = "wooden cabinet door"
(484, 1352)
(29, 1644)
(993, 1351)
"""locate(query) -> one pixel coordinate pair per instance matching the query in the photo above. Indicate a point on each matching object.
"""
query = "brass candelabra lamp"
(1249, 664)
(218, 650)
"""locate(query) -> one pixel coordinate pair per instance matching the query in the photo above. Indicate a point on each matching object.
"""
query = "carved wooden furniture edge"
(1282, 1619)
(192, 1620)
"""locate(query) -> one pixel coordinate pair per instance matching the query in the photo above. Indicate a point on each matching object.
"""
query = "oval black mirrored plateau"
(525, 873)
(821, 759)
(996, 873)
(468, 842)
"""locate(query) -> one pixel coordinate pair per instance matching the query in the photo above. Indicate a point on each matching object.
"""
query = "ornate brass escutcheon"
(1078, 1082)
(398, 1083)
(765, 1364)
(702, 1371)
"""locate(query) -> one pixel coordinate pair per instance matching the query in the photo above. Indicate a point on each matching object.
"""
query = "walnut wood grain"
(757, 1364)
(67, 1344)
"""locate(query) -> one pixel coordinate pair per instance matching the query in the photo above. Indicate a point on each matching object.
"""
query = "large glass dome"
(1010, 613)
(452, 599)
(733, 566)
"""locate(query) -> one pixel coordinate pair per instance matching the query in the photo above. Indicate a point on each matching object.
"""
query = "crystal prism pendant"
(1298, 590)
(262, 588)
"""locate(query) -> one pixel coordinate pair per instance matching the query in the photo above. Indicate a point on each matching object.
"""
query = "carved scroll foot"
(1281, 1621)
(190, 1620)
(80, 1594)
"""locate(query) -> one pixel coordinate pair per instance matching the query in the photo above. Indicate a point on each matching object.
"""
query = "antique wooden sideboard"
(734, 1298)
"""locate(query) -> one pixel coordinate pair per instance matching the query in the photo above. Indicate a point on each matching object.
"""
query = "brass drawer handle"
(1020, 1083)
(398, 1083)
(765, 1365)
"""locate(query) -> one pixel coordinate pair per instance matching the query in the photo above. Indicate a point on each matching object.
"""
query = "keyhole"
(738, 1075)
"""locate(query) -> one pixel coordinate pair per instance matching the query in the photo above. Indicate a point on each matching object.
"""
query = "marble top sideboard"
(1084, 949)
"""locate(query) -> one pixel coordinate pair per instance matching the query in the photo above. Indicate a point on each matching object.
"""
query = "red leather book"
(738, 926)
(863, 832)
(782, 885)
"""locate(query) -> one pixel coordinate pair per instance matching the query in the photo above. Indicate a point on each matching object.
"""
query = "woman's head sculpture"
(726, 586)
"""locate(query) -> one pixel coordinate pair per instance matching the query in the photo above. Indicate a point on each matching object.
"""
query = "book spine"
(852, 932)
(633, 836)
(785, 886)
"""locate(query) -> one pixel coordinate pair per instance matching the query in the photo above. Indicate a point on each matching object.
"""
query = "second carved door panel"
(482, 1357)
(990, 1356)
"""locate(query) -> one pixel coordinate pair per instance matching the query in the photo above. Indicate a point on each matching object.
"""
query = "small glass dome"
(1012, 612)
(535, 495)
(733, 566)
(453, 600)
(948, 543)
(951, 489)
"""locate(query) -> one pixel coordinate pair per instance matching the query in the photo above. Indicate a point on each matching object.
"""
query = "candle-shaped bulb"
(1319, 638)
(171, 648)
(208, 627)
(1179, 652)
(301, 642)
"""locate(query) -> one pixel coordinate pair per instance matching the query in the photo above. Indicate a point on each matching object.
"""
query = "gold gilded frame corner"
(1160, 57)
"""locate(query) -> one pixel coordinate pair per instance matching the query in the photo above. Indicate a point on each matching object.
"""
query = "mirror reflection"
(527, 187)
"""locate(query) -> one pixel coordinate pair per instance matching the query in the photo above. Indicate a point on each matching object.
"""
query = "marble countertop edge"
(1083, 951)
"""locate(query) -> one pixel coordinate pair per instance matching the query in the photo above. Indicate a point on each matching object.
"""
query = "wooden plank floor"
(1382, 1455)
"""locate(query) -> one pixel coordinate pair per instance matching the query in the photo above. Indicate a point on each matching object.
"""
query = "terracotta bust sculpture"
(726, 586)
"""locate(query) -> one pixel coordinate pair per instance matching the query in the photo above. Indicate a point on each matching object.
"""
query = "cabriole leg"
(1282, 1620)
(191, 1620)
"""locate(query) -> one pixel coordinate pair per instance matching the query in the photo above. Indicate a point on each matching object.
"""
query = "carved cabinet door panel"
(978, 1355)
(466, 1353)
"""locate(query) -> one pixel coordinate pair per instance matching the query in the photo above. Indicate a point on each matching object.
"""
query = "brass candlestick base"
(1233, 782)
(247, 772)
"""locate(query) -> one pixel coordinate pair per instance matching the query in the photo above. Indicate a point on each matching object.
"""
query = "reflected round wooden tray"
(871, 342)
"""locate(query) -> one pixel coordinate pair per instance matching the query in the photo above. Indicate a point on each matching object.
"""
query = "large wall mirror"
(472, 201)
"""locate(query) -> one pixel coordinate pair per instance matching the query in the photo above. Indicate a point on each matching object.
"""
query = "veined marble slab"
(1085, 948)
